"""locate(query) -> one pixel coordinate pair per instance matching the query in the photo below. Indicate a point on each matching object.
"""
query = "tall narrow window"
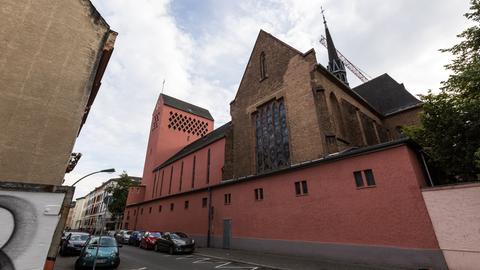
(208, 166)
(337, 116)
(259, 194)
(155, 180)
(186, 204)
(171, 206)
(193, 171)
(171, 177)
(181, 177)
(358, 178)
(227, 198)
(272, 146)
(369, 177)
(204, 202)
(160, 208)
(263, 66)
(161, 182)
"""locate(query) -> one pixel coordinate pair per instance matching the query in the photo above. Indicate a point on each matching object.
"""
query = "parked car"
(106, 254)
(123, 237)
(135, 238)
(175, 242)
(73, 242)
(149, 239)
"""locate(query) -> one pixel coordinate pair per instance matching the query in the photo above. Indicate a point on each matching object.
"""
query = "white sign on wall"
(27, 221)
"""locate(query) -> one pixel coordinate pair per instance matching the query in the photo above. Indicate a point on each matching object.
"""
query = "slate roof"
(186, 107)
(386, 95)
(198, 144)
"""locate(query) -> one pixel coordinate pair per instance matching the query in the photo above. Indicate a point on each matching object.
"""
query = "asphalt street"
(133, 258)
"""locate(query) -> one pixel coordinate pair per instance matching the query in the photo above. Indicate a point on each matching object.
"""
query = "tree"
(119, 195)
(450, 130)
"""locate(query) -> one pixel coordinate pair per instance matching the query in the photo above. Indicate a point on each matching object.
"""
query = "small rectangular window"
(150, 210)
(159, 208)
(171, 206)
(304, 187)
(259, 194)
(228, 198)
(204, 202)
(298, 190)
(358, 178)
(301, 188)
(186, 205)
(369, 177)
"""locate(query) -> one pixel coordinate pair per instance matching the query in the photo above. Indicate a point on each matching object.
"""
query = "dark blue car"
(136, 238)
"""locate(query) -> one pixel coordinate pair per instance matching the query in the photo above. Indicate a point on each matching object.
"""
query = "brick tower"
(175, 124)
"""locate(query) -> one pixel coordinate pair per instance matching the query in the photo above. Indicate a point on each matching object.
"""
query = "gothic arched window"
(263, 66)
(272, 147)
(337, 116)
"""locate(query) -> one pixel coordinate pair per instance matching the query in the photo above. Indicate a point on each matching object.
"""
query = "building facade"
(307, 166)
(77, 215)
(53, 56)
(95, 214)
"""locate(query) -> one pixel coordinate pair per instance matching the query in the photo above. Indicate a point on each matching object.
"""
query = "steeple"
(335, 65)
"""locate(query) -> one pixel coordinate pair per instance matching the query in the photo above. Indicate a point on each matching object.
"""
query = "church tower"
(335, 65)
(175, 124)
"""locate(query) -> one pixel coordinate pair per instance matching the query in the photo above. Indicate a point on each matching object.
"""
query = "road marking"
(185, 257)
(205, 260)
(142, 268)
(223, 266)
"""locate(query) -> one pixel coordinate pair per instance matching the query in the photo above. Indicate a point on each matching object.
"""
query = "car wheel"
(170, 250)
(78, 266)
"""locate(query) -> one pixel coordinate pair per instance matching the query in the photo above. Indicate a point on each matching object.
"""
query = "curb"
(241, 261)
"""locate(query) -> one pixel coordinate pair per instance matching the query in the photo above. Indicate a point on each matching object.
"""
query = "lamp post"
(112, 170)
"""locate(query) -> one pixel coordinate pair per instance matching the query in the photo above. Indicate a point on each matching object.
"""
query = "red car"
(149, 239)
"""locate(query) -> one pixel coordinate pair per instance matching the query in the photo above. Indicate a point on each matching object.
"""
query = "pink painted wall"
(335, 211)
(455, 213)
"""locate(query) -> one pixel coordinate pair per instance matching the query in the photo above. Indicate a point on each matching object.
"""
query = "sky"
(201, 48)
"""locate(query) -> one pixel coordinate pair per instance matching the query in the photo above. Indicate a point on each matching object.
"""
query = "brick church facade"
(307, 166)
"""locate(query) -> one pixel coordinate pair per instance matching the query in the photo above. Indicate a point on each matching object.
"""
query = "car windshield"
(155, 234)
(106, 241)
(79, 237)
(178, 235)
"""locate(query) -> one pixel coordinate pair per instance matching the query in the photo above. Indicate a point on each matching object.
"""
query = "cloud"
(202, 47)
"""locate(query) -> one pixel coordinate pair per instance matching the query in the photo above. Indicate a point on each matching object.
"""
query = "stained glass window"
(272, 149)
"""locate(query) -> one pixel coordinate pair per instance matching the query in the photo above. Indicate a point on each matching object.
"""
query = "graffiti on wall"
(28, 221)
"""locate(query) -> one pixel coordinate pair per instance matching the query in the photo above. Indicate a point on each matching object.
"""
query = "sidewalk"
(280, 262)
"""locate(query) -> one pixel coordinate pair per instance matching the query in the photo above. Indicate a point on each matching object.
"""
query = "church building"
(307, 166)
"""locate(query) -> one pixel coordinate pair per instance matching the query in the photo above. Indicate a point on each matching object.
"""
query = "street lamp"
(112, 170)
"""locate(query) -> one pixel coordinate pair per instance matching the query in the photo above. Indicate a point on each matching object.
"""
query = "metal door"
(227, 233)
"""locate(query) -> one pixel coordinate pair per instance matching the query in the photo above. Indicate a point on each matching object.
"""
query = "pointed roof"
(386, 95)
(186, 107)
(262, 34)
(332, 52)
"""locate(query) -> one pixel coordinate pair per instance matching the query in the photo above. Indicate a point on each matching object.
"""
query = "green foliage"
(120, 194)
(450, 131)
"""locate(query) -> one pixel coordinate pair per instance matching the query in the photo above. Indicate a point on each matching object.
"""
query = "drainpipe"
(210, 216)
(426, 169)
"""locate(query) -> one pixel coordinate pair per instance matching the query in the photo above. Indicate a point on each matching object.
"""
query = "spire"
(335, 65)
